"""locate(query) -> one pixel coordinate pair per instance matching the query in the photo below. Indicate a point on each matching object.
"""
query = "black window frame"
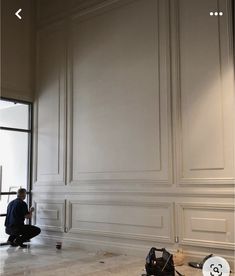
(30, 149)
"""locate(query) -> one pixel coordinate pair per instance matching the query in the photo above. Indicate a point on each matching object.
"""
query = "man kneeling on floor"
(17, 212)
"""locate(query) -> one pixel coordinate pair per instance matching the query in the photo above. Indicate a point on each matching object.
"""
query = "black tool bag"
(162, 266)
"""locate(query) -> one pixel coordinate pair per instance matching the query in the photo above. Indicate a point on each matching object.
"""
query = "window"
(15, 153)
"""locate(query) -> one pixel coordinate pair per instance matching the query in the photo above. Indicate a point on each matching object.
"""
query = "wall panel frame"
(203, 137)
(159, 173)
(106, 219)
(50, 109)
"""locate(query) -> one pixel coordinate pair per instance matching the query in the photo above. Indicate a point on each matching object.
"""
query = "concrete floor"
(48, 261)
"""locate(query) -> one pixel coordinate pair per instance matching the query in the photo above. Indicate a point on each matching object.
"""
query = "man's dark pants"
(22, 233)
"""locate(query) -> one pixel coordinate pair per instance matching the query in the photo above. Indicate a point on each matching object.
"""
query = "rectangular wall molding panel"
(208, 225)
(203, 89)
(106, 219)
(127, 91)
(50, 215)
(51, 107)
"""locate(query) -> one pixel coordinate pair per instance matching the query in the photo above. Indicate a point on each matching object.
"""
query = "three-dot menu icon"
(216, 13)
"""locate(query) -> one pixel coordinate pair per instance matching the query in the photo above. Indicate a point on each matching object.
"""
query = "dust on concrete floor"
(39, 260)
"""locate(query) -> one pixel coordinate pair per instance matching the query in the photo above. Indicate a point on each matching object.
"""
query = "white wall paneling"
(50, 215)
(207, 225)
(134, 114)
(119, 96)
(142, 221)
(203, 91)
(51, 106)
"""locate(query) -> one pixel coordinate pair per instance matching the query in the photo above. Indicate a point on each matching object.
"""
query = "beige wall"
(134, 125)
(17, 50)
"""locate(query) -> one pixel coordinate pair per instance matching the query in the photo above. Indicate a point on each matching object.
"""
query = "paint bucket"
(59, 245)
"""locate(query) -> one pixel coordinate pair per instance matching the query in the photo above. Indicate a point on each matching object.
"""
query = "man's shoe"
(13, 244)
(18, 243)
(23, 245)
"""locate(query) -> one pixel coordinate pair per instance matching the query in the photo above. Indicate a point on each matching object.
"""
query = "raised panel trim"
(168, 205)
(61, 203)
(138, 188)
(180, 179)
(158, 177)
(180, 207)
(58, 178)
(204, 224)
(48, 214)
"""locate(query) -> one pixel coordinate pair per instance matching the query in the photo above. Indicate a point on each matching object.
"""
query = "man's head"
(21, 193)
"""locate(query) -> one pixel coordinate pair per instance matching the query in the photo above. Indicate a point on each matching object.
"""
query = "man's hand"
(29, 216)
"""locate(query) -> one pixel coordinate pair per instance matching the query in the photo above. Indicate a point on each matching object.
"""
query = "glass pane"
(13, 160)
(5, 199)
(14, 115)
(3, 235)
